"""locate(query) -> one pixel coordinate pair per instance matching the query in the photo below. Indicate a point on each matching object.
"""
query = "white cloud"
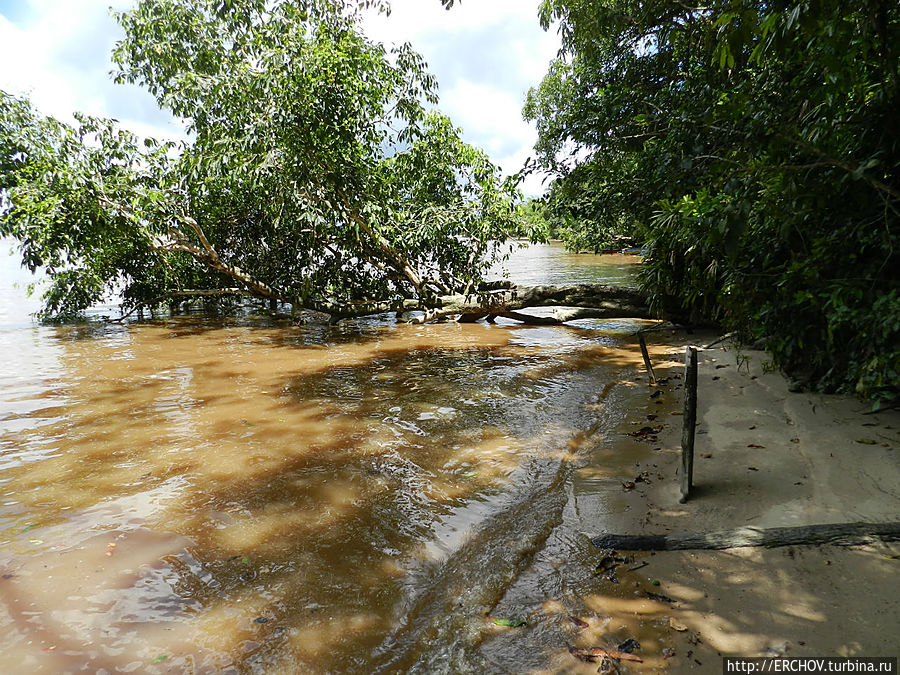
(485, 54)
(58, 55)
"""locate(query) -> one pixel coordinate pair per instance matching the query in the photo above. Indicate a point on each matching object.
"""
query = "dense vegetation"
(317, 172)
(755, 146)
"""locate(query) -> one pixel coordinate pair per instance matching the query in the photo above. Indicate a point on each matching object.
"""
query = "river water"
(191, 494)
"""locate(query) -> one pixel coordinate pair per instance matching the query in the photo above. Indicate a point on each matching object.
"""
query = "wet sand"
(764, 457)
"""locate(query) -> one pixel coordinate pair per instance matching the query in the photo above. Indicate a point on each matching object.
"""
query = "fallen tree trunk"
(574, 301)
(578, 301)
(840, 534)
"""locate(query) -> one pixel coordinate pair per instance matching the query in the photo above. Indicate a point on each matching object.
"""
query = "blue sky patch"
(15, 11)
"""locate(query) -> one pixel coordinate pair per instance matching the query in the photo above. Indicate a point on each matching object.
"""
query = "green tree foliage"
(757, 146)
(315, 174)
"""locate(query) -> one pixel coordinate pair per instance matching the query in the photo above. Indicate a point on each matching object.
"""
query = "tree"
(756, 145)
(315, 173)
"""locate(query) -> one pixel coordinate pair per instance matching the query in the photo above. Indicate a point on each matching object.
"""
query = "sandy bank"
(764, 457)
(769, 457)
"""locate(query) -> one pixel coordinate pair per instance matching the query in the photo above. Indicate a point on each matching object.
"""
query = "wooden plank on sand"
(840, 534)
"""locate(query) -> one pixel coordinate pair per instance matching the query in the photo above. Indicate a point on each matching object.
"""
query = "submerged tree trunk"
(575, 301)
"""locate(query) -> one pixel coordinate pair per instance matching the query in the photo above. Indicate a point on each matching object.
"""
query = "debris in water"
(260, 619)
(578, 622)
(754, 445)
(607, 563)
(630, 646)
(580, 654)
(659, 597)
(675, 625)
(160, 658)
(668, 653)
(647, 433)
(867, 441)
(510, 623)
(655, 582)
(607, 665)
(628, 485)
(591, 654)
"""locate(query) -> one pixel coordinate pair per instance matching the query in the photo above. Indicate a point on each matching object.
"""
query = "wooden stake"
(646, 355)
(690, 422)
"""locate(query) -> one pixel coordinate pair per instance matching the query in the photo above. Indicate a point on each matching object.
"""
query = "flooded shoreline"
(244, 495)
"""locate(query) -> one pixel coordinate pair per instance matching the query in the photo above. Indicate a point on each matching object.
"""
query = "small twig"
(646, 356)
(122, 318)
(610, 653)
(721, 339)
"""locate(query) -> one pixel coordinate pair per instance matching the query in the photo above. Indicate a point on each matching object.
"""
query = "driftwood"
(840, 534)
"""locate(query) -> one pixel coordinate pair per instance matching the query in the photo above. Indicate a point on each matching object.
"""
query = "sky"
(485, 54)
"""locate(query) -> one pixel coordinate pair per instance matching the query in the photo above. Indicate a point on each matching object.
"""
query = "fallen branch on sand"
(589, 654)
(840, 534)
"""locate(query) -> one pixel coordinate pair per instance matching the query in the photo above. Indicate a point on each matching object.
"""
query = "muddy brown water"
(191, 494)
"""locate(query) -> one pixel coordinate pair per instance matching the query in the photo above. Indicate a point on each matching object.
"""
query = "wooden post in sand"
(690, 422)
(646, 355)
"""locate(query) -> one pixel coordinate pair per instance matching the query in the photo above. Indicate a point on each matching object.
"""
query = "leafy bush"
(757, 147)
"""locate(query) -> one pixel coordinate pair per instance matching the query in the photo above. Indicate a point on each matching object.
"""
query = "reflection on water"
(550, 264)
(250, 496)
